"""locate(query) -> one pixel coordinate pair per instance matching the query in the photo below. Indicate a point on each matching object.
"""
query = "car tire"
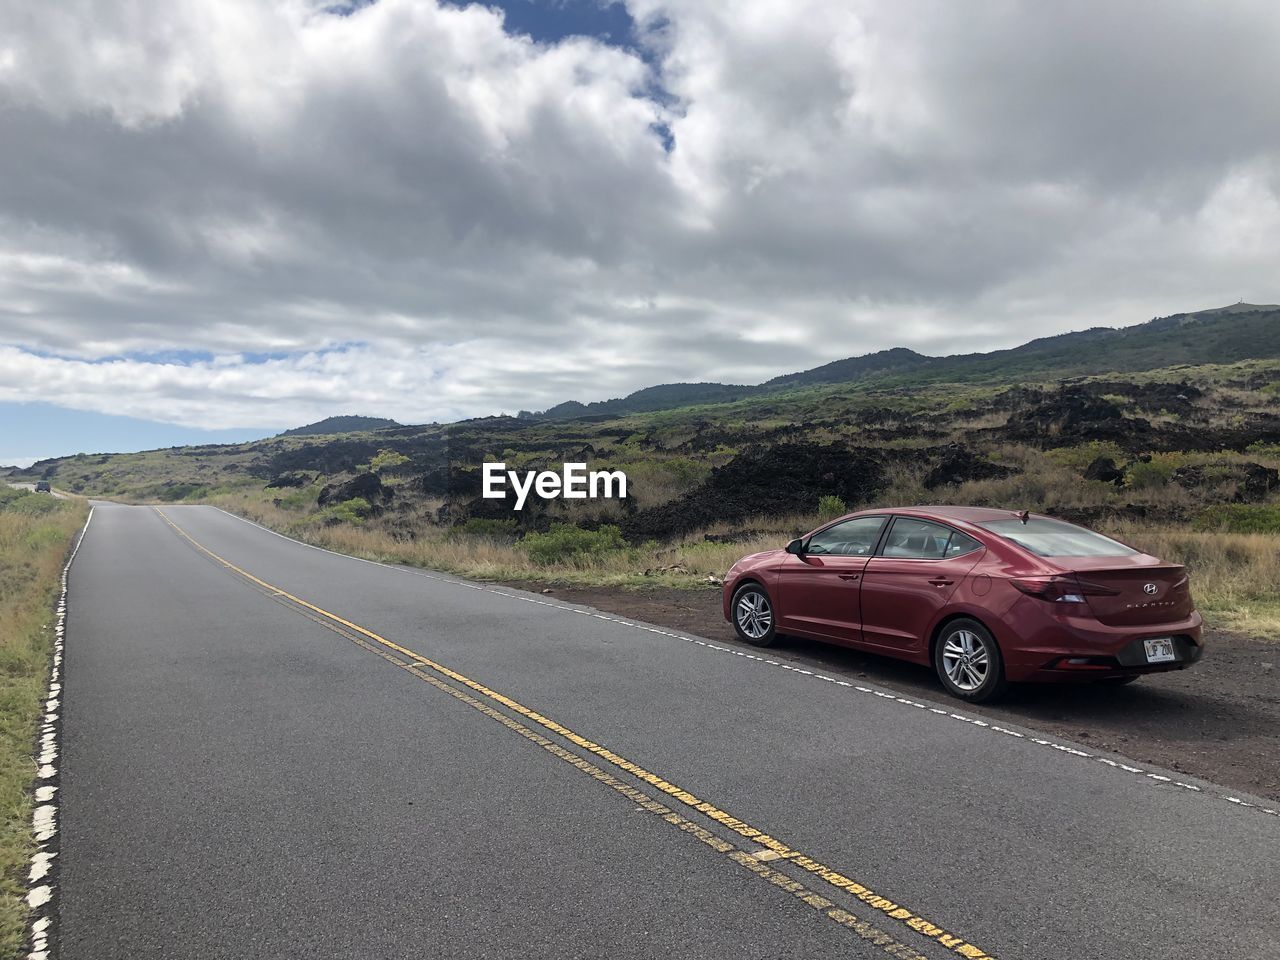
(968, 661)
(753, 615)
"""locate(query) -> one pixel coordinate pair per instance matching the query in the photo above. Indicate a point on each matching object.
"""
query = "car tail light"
(1061, 589)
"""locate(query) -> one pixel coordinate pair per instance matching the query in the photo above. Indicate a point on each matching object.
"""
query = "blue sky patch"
(39, 430)
(549, 21)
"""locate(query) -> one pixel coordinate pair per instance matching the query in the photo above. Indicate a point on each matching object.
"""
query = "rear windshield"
(1053, 538)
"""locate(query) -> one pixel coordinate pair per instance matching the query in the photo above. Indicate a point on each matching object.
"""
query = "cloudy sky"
(223, 217)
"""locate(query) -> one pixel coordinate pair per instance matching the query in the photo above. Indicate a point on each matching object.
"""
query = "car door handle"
(941, 582)
(850, 576)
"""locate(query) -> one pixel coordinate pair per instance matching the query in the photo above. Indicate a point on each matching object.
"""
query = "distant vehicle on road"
(983, 596)
(42, 486)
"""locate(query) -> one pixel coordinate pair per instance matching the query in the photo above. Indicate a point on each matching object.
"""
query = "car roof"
(949, 512)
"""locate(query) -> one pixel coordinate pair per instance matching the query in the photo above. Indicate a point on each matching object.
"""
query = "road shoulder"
(1218, 721)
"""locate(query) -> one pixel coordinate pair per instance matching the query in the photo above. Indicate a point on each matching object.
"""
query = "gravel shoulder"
(1218, 720)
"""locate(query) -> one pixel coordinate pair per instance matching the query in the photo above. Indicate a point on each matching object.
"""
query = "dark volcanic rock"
(1104, 469)
(365, 485)
(788, 478)
(450, 480)
(1253, 481)
(959, 464)
(1176, 398)
(289, 480)
(1017, 397)
(1257, 483)
(335, 456)
(1074, 416)
(1192, 477)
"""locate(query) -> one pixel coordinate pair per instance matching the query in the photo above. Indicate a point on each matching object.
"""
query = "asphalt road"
(270, 750)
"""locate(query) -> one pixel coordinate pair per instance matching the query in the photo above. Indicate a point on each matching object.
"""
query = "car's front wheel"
(968, 661)
(753, 615)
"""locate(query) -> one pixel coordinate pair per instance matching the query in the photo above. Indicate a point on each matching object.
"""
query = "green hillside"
(331, 425)
(1223, 335)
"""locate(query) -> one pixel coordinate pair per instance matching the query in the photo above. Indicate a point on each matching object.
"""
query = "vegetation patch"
(831, 507)
(36, 531)
(387, 459)
(354, 511)
(568, 544)
(1150, 474)
(1241, 518)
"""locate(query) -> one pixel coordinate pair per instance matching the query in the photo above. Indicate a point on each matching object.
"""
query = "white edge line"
(41, 877)
(1062, 748)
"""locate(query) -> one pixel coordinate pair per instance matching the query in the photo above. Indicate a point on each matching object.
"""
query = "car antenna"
(1024, 515)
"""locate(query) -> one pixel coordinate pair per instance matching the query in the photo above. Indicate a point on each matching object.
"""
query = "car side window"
(961, 543)
(852, 538)
(912, 539)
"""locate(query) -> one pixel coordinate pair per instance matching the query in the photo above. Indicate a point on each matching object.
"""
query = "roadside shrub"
(299, 499)
(1240, 518)
(357, 505)
(1077, 458)
(1260, 449)
(352, 511)
(1148, 476)
(831, 507)
(684, 470)
(565, 543)
(386, 459)
(179, 491)
(26, 503)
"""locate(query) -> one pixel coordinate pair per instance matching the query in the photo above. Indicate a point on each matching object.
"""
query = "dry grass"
(33, 548)
(1235, 577)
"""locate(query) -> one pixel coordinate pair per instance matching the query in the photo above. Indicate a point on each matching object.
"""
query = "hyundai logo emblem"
(1150, 588)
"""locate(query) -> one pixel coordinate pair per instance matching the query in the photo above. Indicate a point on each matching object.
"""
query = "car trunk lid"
(1134, 594)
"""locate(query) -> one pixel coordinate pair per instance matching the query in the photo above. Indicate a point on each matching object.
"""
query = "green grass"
(1241, 518)
(570, 545)
(35, 534)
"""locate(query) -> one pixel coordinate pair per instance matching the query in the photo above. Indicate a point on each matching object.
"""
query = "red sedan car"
(984, 596)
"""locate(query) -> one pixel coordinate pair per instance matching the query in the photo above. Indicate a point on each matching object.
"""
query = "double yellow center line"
(774, 850)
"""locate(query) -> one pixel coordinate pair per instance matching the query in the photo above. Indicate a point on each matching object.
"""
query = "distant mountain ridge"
(853, 368)
(1239, 331)
(348, 424)
(842, 388)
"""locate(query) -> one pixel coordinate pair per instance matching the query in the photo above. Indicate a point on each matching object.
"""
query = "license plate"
(1160, 650)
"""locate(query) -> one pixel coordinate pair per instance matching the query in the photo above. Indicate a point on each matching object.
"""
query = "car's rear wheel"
(968, 661)
(753, 616)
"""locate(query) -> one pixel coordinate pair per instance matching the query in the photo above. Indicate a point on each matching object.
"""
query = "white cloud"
(429, 217)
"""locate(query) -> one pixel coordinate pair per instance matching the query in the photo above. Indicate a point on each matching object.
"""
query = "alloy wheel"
(966, 660)
(754, 615)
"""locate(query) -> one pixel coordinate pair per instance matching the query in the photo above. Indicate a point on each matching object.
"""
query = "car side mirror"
(796, 546)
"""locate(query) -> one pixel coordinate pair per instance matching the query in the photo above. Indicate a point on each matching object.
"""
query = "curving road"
(270, 750)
